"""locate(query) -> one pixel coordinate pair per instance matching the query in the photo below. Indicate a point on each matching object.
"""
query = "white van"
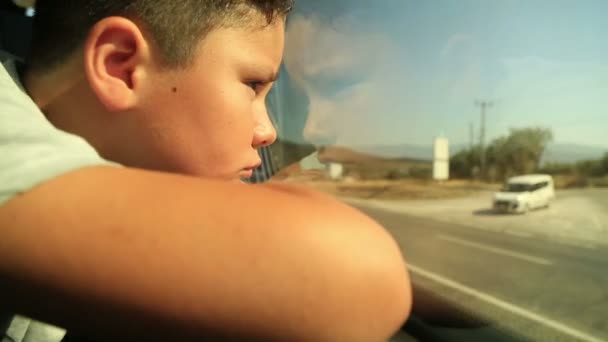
(523, 193)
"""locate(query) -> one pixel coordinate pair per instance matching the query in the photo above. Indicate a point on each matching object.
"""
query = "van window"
(519, 187)
(541, 185)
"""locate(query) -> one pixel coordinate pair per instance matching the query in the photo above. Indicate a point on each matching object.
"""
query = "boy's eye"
(255, 85)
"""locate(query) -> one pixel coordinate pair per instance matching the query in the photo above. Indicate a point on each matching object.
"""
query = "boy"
(175, 86)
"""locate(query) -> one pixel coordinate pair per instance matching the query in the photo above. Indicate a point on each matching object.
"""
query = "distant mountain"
(410, 151)
(569, 153)
(350, 155)
(556, 152)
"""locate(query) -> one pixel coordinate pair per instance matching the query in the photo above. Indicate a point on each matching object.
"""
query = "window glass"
(419, 113)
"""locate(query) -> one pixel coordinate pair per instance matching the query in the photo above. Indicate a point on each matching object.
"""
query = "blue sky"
(403, 72)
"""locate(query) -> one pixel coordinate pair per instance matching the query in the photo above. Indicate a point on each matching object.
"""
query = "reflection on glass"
(379, 100)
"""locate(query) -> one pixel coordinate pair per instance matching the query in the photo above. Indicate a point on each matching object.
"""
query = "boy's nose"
(264, 133)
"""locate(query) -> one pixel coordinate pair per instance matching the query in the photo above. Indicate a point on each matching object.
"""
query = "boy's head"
(173, 85)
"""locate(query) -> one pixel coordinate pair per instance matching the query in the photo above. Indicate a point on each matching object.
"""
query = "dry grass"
(397, 189)
(405, 188)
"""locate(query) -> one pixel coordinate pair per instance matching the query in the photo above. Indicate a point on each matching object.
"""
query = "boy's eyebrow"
(263, 72)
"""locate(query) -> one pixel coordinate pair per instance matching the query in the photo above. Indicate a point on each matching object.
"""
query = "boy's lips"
(254, 166)
(247, 172)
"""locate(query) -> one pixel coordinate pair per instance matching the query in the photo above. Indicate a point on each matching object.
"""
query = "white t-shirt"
(32, 151)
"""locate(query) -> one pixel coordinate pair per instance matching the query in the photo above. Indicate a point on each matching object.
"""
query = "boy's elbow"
(386, 282)
(373, 296)
(391, 301)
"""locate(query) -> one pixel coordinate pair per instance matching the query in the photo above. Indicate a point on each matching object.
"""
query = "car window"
(519, 187)
(419, 112)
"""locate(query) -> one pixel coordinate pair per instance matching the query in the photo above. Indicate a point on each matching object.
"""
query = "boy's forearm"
(113, 250)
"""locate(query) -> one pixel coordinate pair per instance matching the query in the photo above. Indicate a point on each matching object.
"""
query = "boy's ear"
(115, 58)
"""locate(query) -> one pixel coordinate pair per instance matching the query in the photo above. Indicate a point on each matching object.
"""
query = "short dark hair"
(177, 26)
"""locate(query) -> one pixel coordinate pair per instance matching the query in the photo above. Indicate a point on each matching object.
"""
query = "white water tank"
(441, 159)
(335, 170)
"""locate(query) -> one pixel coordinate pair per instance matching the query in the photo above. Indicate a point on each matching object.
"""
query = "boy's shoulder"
(32, 149)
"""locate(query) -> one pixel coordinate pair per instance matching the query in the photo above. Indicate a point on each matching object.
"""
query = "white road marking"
(519, 234)
(496, 250)
(582, 244)
(561, 327)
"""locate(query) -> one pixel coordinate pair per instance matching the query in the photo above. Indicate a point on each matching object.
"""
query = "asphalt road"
(597, 195)
(576, 217)
(544, 290)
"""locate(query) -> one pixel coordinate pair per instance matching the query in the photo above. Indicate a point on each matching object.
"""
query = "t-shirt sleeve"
(32, 150)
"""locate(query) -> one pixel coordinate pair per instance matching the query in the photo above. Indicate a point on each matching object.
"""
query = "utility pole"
(483, 105)
(471, 135)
